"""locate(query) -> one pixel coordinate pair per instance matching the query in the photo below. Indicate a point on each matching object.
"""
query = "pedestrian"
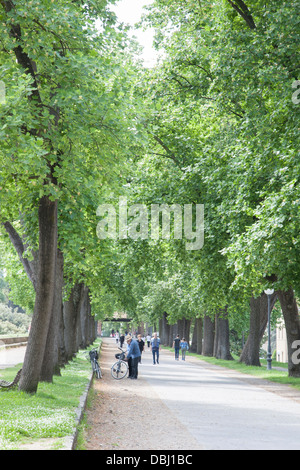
(141, 344)
(117, 337)
(148, 340)
(176, 345)
(133, 355)
(122, 339)
(155, 347)
(184, 348)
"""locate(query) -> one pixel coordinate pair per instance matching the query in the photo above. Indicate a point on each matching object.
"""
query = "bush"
(13, 322)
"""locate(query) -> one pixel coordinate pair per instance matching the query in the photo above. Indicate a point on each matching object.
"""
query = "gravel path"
(129, 415)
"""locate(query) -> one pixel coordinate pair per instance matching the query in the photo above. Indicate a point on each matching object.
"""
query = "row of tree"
(213, 123)
(222, 130)
(63, 130)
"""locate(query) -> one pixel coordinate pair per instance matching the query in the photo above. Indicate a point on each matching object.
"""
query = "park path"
(186, 405)
(191, 405)
(10, 357)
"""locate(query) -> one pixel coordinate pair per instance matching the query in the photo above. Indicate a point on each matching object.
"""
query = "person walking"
(148, 340)
(133, 355)
(122, 339)
(141, 344)
(184, 348)
(155, 347)
(176, 346)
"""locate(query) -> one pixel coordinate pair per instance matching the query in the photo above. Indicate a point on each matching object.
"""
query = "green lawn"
(50, 413)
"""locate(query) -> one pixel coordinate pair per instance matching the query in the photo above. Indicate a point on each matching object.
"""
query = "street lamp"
(269, 292)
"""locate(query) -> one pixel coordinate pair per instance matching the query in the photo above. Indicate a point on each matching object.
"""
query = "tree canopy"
(84, 124)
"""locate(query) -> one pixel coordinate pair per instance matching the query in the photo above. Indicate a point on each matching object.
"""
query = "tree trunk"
(208, 336)
(292, 324)
(164, 329)
(51, 363)
(258, 323)
(72, 320)
(222, 343)
(197, 336)
(44, 296)
(183, 328)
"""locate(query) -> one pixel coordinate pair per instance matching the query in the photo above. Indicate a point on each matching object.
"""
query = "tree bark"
(164, 329)
(44, 296)
(208, 336)
(51, 361)
(197, 339)
(72, 320)
(292, 324)
(222, 343)
(258, 323)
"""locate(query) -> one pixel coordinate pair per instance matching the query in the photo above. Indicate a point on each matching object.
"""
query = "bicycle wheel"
(119, 370)
(97, 371)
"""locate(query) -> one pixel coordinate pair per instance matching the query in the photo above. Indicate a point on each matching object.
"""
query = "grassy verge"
(274, 375)
(50, 413)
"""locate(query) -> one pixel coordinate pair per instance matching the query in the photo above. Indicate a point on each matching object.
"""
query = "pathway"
(10, 357)
(210, 407)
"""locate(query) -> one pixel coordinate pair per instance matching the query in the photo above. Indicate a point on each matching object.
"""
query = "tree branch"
(243, 11)
(20, 249)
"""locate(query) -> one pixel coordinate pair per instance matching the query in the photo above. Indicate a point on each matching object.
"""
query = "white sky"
(130, 11)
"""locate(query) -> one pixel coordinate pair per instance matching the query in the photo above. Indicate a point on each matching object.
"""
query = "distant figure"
(155, 347)
(122, 339)
(176, 345)
(148, 340)
(184, 348)
(133, 355)
(141, 344)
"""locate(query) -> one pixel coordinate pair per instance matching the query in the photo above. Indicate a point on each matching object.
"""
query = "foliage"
(12, 322)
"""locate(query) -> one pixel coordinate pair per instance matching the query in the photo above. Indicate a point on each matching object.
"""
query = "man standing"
(155, 347)
(176, 345)
(133, 355)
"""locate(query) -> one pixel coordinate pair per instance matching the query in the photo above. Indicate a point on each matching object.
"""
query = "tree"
(58, 126)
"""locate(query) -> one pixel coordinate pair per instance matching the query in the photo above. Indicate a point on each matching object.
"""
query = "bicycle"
(119, 369)
(93, 353)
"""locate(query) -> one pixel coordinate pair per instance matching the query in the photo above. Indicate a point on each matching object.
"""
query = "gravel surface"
(128, 414)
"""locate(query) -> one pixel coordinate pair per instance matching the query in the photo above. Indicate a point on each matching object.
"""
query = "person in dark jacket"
(133, 355)
(176, 346)
(141, 344)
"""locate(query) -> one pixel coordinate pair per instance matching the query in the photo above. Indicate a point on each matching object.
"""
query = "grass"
(50, 413)
(273, 375)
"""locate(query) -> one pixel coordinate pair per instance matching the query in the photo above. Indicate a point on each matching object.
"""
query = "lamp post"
(269, 292)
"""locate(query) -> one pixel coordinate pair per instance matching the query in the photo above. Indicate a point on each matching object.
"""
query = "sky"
(130, 11)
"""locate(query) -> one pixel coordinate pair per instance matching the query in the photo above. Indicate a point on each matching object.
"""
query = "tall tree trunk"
(222, 343)
(208, 336)
(51, 362)
(72, 320)
(197, 336)
(164, 329)
(292, 324)
(258, 323)
(44, 296)
(183, 326)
